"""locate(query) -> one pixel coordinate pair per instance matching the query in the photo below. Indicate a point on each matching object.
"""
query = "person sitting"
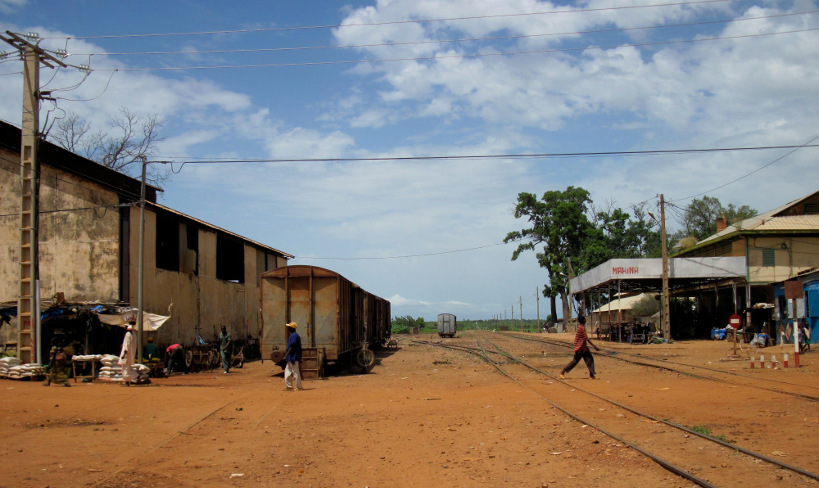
(150, 350)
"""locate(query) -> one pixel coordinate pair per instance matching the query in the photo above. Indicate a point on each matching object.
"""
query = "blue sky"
(334, 80)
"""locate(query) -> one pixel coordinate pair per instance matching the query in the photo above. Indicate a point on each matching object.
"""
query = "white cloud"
(8, 6)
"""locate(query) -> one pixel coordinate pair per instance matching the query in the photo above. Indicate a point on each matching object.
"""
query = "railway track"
(729, 377)
(701, 459)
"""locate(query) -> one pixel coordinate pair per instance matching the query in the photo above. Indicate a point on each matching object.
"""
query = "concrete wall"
(199, 304)
(81, 256)
(791, 256)
(79, 249)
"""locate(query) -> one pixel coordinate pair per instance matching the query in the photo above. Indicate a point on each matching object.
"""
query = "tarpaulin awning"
(150, 321)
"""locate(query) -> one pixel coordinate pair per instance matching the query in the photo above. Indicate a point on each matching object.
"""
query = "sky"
(321, 107)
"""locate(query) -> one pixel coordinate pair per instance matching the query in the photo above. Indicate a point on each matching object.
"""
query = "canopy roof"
(647, 274)
(624, 303)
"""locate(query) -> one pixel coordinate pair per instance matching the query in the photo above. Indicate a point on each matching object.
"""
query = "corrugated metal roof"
(768, 221)
(791, 222)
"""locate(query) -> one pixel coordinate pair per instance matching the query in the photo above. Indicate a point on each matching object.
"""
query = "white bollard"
(762, 361)
(752, 362)
(786, 361)
(773, 361)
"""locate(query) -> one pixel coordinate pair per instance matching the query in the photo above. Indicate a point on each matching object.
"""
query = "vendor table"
(83, 365)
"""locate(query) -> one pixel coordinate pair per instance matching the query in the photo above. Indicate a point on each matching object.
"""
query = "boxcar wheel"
(365, 358)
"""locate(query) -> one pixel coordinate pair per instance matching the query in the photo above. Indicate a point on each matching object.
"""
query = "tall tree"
(560, 225)
(130, 138)
(699, 218)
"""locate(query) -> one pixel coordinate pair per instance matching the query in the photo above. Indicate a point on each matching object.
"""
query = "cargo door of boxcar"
(300, 311)
(273, 316)
(325, 314)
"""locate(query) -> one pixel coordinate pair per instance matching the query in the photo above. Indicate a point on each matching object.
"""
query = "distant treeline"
(417, 325)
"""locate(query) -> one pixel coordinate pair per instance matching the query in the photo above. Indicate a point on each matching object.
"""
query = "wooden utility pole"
(520, 297)
(28, 302)
(666, 298)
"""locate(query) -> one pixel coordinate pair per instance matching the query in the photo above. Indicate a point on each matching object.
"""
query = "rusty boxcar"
(447, 325)
(338, 321)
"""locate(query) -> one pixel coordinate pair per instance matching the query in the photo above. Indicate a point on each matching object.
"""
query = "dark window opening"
(230, 259)
(167, 242)
(190, 251)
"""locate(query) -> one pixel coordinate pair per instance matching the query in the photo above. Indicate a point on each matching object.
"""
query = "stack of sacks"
(141, 373)
(6, 364)
(87, 357)
(26, 371)
(111, 369)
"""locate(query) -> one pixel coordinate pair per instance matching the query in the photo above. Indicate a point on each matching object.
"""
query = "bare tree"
(130, 138)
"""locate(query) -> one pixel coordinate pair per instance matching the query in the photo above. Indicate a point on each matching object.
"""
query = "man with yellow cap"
(293, 356)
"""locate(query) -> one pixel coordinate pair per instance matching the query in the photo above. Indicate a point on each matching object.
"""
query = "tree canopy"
(699, 218)
(570, 237)
(130, 138)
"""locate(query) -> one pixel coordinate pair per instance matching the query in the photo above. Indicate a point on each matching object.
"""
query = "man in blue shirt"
(293, 356)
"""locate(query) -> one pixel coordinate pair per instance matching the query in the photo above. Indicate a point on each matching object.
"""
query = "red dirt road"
(423, 416)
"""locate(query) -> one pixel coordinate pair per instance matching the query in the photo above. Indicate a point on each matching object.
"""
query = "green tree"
(406, 324)
(646, 307)
(560, 225)
(699, 218)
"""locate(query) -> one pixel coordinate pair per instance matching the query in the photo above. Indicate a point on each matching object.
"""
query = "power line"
(405, 256)
(395, 22)
(442, 41)
(461, 56)
(77, 209)
(189, 160)
(794, 149)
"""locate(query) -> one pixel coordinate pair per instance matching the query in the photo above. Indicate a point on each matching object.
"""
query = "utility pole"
(666, 298)
(28, 303)
(141, 274)
(537, 300)
(521, 312)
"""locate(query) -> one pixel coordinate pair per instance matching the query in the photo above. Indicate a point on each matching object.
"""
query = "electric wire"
(105, 89)
(442, 41)
(395, 22)
(807, 144)
(437, 57)
(403, 256)
(206, 160)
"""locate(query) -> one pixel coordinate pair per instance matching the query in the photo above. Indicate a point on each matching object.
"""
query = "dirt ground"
(423, 416)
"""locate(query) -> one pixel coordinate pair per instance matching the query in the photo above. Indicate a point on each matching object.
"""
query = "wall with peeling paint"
(91, 253)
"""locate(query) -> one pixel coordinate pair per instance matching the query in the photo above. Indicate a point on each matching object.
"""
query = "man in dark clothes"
(293, 357)
(224, 349)
(176, 356)
(581, 350)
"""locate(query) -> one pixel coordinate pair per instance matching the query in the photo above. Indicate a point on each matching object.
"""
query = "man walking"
(293, 356)
(581, 350)
(224, 349)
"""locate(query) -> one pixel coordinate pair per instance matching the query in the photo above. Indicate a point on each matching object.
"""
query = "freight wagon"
(447, 325)
(338, 321)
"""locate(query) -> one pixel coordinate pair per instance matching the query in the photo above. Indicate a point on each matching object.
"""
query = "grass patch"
(701, 429)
